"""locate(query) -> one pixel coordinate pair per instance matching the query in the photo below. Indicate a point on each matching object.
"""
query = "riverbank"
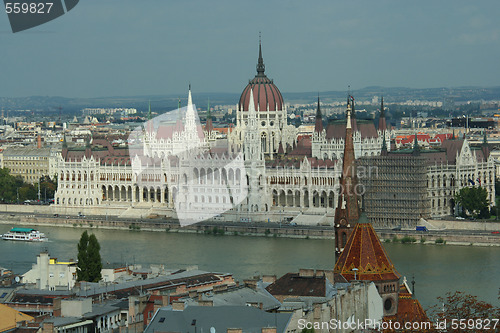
(439, 237)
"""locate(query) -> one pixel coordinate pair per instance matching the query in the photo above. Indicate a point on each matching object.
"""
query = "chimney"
(268, 329)
(57, 307)
(269, 278)
(319, 273)
(205, 303)
(306, 272)
(178, 305)
(251, 283)
(234, 330)
(48, 327)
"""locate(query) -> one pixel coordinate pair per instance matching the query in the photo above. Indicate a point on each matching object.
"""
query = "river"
(437, 269)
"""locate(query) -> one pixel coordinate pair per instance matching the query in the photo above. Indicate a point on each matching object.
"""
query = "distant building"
(30, 163)
(396, 190)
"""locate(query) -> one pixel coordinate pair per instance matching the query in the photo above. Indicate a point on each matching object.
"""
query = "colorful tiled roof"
(409, 310)
(365, 252)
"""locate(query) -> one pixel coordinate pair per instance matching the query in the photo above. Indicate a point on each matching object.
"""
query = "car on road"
(398, 228)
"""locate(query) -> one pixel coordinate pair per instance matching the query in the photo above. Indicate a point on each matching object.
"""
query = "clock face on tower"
(343, 222)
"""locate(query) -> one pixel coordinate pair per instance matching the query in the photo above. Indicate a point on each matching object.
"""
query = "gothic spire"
(416, 147)
(209, 125)
(65, 143)
(319, 119)
(347, 212)
(382, 125)
(260, 62)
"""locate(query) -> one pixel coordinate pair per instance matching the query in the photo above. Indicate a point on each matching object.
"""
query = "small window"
(388, 304)
(162, 319)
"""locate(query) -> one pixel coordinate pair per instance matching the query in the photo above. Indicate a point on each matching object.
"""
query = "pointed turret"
(209, 127)
(484, 147)
(261, 68)
(252, 139)
(88, 149)
(351, 104)
(64, 151)
(347, 211)
(382, 126)
(384, 151)
(318, 127)
(416, 147)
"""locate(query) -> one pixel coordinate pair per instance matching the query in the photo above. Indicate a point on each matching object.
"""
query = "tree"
(82, 272)
(9, 186)
(473, 199)
(48, 186)
(457, 309)
(89, 259)
(94, 257)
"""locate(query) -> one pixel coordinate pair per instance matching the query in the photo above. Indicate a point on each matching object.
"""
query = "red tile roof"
(409, 310)
(337, 130)
(365, 252)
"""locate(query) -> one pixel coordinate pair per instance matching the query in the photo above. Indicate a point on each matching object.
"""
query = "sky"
(157, 47)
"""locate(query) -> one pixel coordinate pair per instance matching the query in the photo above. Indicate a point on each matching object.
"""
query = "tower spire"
(209, 125)
(260, 62)
(318, 127)
(347, 212)
(382, 125)
(416, 147)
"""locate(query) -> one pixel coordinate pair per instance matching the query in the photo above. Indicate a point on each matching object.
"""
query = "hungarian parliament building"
(179, 167)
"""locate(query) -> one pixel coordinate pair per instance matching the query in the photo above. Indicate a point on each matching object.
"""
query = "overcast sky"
(146, 47)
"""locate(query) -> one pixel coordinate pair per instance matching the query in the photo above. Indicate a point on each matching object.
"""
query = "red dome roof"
(264, 91)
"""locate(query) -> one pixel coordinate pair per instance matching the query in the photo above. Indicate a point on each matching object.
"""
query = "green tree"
(94, 257)
(82, 271)
(48, 187)
(89, 259)
(474, 200)
(9, 186)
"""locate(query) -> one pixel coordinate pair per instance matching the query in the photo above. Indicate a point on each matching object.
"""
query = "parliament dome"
(265, 93)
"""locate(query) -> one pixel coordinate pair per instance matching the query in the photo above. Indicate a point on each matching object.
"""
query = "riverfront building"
(174, 165)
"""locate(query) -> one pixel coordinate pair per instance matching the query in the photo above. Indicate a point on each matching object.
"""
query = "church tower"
(347, 211)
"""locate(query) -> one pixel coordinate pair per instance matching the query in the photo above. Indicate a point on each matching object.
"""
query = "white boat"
(25, 234)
